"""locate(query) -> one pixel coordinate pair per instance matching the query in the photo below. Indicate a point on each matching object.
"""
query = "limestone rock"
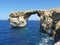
(50, 22)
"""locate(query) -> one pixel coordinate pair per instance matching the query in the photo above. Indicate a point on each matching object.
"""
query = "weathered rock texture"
(50, 22)
(49, 19)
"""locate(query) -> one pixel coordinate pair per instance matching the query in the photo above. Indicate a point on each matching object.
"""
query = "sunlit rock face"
(17, 19)
(50, 22)
(50, 19)
(46, 21)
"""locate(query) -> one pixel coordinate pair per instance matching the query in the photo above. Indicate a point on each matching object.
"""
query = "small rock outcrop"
(49, 19)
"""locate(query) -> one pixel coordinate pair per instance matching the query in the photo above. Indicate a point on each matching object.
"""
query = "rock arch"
(49, 19)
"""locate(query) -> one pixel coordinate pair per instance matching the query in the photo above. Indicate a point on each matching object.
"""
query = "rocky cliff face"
(50, 22)
(49, 19)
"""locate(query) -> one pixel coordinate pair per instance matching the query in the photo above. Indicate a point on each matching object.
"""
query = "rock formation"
(49, 19)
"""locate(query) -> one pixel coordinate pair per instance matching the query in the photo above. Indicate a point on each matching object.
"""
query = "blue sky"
(7, 6)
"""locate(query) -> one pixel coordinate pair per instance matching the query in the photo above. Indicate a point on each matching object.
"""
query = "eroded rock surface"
(50, 22)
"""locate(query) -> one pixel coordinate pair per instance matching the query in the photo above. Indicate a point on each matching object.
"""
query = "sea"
(29, 35)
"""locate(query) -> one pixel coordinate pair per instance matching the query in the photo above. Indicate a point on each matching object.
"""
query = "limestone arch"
(19, 19)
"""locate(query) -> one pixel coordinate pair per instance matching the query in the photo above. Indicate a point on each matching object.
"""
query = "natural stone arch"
(47, 17)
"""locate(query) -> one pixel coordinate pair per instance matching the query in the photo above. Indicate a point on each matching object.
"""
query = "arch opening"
(33, 21)
(34, 17)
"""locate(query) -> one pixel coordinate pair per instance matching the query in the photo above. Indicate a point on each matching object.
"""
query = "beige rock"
(58, 43)
(50, 21)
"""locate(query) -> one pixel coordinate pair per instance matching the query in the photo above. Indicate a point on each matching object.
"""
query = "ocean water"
(29, 35)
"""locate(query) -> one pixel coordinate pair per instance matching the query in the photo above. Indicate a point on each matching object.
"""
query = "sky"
(7, 6)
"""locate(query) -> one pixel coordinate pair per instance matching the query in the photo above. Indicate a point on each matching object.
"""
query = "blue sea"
(29, 35)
